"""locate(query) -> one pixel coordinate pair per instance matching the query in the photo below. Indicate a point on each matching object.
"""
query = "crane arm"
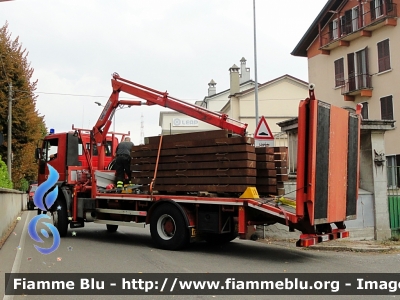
(163, 99)
(153, 97)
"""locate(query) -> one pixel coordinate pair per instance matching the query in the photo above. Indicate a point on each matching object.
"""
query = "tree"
(27, 126)
(4, 180)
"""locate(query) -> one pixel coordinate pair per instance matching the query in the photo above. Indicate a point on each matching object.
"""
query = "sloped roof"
(273, 81)
(312, 32)
(227, 90)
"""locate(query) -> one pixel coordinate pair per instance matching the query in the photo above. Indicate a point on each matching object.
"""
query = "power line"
(74, 95)
(94, 96)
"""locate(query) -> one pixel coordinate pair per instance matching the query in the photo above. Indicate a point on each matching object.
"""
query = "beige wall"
(277, 102)
(170, 125)
(321, 72)
(214, 103)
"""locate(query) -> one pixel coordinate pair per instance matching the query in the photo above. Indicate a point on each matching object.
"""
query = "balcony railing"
(356, 83)
(345, 27)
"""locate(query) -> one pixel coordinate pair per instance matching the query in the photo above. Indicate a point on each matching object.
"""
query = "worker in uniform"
(123, 162)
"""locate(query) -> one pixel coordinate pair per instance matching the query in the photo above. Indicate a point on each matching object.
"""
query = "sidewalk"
(346, 244)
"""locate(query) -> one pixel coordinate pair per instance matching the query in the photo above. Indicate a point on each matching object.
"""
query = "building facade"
(278, 100)
(172, 122)
(352, 49)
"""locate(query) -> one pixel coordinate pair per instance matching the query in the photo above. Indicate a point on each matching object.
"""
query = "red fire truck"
(327, 179)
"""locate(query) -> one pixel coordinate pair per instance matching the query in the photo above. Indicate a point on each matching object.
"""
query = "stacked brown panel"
(281, 165)
(271, 170)
(266, 172)
(195, 162)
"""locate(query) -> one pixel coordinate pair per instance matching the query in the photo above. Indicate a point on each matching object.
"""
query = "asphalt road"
(131, 250)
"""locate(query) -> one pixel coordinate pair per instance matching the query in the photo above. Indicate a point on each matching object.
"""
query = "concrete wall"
(12, 202)
(360, 228)
(277, 101)
(363, 226)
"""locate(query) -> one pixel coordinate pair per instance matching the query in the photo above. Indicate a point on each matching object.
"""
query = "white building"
(278, 100)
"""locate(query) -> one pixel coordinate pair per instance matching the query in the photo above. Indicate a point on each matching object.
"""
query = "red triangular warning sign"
(263, 132)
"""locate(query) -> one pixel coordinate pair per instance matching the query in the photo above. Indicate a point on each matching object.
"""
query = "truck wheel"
(31, 206)
(112, 227)
(168, 228)
(60, 217)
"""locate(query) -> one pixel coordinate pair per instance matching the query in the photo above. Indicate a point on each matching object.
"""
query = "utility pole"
(255, 63)
(9, 150)
(141, 130)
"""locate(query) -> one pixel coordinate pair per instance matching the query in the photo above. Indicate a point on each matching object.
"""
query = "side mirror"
(37, 153)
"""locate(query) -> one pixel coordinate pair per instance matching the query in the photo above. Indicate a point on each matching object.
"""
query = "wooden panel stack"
(281, 165)
(196, 162)
(271, 170)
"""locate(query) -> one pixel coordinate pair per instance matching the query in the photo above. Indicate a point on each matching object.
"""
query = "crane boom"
(153, 97)
(163, 99)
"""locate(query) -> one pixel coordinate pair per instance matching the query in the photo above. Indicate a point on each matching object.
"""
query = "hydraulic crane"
(153, 97)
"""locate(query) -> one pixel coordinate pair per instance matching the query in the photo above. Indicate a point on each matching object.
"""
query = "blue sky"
(176, 45)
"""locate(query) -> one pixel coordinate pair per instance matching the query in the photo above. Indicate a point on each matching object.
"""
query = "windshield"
(33, 188)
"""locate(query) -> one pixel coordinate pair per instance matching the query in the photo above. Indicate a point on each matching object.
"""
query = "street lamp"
(119, 108)
(255, 63)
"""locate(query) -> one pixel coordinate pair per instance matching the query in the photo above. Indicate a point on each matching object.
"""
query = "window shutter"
(330, 31)
(351, 72)
(387, 108)
(389, 5)
(383, 56)
(348, 21)
(364, 110)
(372, 9)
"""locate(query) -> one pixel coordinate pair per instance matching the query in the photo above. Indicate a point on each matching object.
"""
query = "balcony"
(343, 32)
(357, 85)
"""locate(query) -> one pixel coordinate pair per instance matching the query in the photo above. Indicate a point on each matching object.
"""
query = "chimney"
(212, 90)
(244, 72)
(235, 85)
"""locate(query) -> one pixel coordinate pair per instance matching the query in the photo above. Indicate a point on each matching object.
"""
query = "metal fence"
(393, 192)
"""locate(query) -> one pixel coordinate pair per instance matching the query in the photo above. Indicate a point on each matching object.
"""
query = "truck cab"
(61, 150)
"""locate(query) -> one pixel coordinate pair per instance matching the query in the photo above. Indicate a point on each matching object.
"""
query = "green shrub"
(5, 181)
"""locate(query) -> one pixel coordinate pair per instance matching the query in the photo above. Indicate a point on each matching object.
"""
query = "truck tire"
(112, 227)
(168, 228)
(60, 217)
(31, 205)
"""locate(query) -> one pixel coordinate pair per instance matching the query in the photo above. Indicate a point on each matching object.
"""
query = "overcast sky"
(176, 45)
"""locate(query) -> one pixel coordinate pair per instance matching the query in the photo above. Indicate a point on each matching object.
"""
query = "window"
(383, 55)
(376, 9)
(357, 68)
(364, 110)
(107, 149)
(355, 16)
(50, 149)
(393, 170)
(346, 22)
(339, 72)
(333, 30)
(362, 68)
(387, 108)
(389, 5)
